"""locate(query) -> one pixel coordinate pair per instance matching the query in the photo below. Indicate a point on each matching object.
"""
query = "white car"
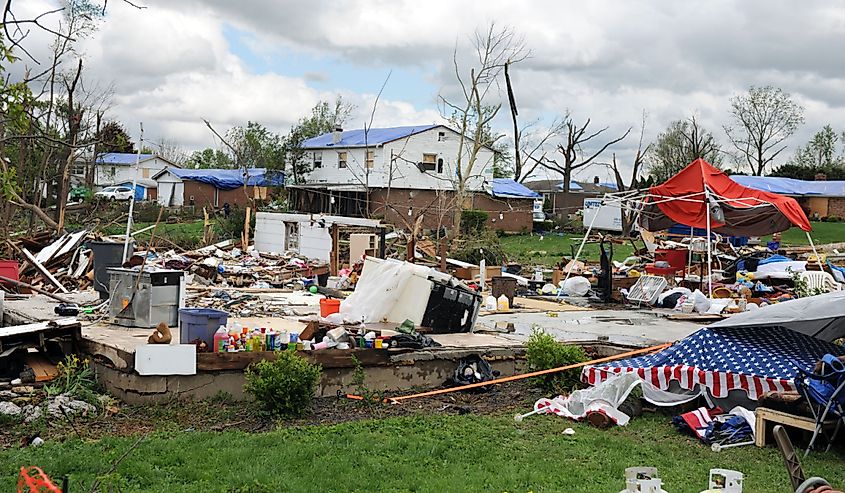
(114, 193)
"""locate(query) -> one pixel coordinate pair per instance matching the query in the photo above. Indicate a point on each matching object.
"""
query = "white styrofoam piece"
(166, 359)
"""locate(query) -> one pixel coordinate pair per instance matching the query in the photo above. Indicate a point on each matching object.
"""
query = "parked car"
(114, 193)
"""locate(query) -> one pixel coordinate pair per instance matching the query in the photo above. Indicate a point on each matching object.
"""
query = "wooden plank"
(44, 271)
(764, 415)
(43, 369)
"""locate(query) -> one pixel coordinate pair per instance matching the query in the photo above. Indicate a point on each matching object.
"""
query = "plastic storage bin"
(200, 323)
(9, 268)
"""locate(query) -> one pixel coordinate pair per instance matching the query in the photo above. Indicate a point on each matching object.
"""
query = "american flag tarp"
(755, 360)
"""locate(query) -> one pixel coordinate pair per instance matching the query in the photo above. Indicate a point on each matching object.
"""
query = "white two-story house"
(422, 157)
(397, 173)
(121, 168)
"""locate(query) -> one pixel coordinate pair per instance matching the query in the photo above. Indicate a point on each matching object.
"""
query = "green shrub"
(469, 249)
(76, 379)
(834, 219)
(544, 352)
(473, 221)
(232, 227)
(283, 387)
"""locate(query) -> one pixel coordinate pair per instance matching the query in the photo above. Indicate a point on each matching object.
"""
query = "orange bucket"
(329, 306)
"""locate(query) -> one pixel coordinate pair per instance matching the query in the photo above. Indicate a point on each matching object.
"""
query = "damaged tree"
(572, 150)
(494, 49)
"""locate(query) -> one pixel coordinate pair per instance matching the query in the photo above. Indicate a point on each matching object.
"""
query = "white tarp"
(607, 396)
(821, 316)
(389, 291)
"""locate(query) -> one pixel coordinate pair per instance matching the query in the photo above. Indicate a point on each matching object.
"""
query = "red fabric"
(690, 183)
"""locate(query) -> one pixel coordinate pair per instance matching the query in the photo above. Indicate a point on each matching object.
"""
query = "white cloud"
(171, 63)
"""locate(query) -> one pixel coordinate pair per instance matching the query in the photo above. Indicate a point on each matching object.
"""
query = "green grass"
(547, 250)
(533, 249)
(440, 453)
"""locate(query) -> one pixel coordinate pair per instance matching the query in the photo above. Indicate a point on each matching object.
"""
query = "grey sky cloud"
(608, 60)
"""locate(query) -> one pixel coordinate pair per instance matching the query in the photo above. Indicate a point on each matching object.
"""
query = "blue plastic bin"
(200, 323)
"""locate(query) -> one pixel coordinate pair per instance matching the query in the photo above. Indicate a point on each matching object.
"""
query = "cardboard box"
(470, 273)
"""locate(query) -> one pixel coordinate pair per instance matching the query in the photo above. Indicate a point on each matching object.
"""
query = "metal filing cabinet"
(159, 295)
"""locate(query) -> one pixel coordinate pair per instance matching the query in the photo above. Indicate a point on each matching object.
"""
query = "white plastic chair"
(817, 279)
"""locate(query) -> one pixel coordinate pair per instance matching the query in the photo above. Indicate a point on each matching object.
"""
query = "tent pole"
(818, 259)
(709, 246)
(583, 241)
(132, 198)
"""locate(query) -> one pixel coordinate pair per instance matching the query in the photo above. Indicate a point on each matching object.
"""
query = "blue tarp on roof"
(356, 138)
(505, 188)
(230, 179)
(791, 186)
(121, 158)
(573, 186)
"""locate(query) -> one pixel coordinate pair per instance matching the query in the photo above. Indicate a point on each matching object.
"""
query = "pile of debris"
(58, 265)
(23, 402)
(66, 264)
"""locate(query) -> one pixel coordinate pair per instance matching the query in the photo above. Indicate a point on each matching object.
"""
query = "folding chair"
(825, 395)
(800, 483)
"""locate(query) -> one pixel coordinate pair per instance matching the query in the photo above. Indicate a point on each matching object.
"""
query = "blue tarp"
(573, 186)
(791, 186)
(356, 138)
(505, 188)
(121, 158)
(230, 179)
(140, 190)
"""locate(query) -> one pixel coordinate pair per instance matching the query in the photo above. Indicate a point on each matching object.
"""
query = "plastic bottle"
(503, 303)
(221, 337)
(491, 303)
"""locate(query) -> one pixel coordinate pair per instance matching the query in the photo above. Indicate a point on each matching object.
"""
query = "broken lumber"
(44, 271)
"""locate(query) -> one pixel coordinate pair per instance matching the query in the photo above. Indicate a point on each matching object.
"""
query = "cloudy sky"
(177, 62)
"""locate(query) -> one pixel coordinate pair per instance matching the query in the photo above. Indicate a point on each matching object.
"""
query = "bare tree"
(574, 155)
(681, 143)
(171, 150)
(494, 49)
(763, 119)
(534, 142)
(639, 158)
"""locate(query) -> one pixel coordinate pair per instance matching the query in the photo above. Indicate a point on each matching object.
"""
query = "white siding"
(404, 154)
(108, 174)
(171, 190)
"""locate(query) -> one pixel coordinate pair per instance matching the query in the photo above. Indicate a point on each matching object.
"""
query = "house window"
(78, 169)
(318, 159)
(440, 165)
(370, 159)
(341, 159)
(145, 172)
(441, 136)
(429, 162)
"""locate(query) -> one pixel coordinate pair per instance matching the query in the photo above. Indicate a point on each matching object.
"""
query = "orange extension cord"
(397, 400)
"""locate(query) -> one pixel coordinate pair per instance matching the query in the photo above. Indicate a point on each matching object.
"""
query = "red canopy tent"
(734, 209)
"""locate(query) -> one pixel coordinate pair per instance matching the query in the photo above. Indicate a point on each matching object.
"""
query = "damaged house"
(400, 174)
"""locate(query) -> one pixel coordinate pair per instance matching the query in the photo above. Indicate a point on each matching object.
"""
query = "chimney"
(596, 180)
(336, 134)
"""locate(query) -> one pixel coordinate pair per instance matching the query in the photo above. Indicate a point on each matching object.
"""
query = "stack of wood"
(57, 265)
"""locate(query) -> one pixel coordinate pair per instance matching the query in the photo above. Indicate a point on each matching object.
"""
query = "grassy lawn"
(441, 453)
(546, 250)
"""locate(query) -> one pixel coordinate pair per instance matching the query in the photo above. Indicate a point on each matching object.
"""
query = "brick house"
(819, 199)
(213, 187)
(400, 174)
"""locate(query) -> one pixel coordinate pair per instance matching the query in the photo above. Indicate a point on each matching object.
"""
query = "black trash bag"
(414, 340)
(671, 301)
(472, 369)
